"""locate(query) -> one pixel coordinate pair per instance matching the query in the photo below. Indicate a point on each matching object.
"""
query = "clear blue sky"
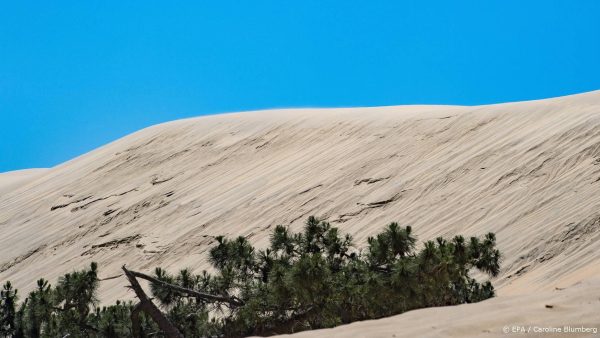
(76, 75)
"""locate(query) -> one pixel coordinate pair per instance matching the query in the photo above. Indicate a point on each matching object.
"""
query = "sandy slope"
(13, 179)
(528, 171)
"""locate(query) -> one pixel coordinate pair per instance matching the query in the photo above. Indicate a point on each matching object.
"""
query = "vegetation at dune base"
(308, 280)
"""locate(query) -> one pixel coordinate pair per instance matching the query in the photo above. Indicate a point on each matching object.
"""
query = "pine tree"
(8, 314)
(312, 279)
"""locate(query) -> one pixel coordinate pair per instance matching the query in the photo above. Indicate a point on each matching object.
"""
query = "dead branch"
(206, 296)
(150, 309)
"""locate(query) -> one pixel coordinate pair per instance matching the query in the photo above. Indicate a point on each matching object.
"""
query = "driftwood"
(150, 309)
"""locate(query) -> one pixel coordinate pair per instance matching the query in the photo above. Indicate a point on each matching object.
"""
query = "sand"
(528, 171)
(13, 179)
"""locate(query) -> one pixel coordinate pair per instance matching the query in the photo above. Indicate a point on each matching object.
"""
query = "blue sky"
(76, 75)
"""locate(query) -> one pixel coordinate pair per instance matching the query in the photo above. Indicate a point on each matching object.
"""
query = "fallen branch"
(232, 300)
(150, 309)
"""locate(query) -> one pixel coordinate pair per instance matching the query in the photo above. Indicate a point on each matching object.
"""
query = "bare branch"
(149, 308)
(202, 295)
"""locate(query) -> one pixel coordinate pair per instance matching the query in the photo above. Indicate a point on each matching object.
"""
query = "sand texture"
(528, 171)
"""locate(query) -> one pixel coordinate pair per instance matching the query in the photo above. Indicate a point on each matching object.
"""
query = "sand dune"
(528, 171)
(13, 179)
